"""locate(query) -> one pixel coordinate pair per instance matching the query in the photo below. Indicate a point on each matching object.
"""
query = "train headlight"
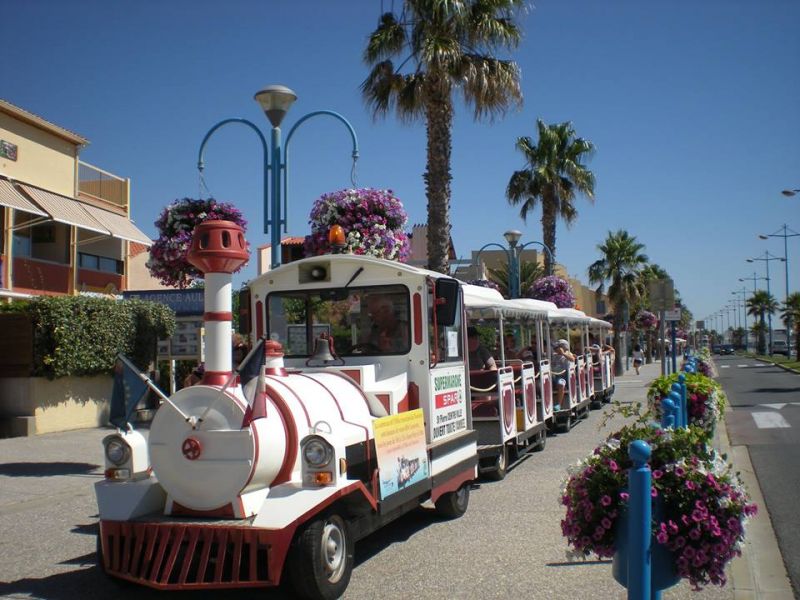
(126, 456)
(317, 452)
(117, 451)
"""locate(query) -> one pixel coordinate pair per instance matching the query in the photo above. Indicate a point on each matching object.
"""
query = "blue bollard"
(676, 389)
(684, 399)
(675, 396)
(639, 535)
(667, 413)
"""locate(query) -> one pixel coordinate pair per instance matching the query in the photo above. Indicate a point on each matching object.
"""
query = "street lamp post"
(785, 235)
(513, 253)
(789, 192)
(754, 278)
(767, 258)
(275, 101)
(743, 292)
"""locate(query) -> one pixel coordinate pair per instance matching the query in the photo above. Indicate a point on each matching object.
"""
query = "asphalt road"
(765, 417)
(507, 545)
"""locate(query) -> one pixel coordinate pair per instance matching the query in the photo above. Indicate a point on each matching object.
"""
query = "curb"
(759, 573)
(779, 365)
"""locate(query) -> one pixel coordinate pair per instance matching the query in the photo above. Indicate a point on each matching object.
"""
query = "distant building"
(66, 225)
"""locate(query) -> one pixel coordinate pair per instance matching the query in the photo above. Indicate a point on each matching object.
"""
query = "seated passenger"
(510, 347)
(479, 357)
(559, 364)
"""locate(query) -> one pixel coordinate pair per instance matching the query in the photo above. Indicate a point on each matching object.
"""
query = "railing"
(102, 185)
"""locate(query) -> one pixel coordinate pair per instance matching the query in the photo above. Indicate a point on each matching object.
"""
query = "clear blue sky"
(693, 107)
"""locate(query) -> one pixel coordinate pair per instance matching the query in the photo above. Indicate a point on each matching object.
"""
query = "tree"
(791, 314)
(444, 46)
(553, 176)
(760, 304)
(621, 263)
(529, 272)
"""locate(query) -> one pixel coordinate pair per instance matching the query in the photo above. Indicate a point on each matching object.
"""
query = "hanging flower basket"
(705, 400)
(175, 227)
(373, 222)
(703, 505)
(553, 289)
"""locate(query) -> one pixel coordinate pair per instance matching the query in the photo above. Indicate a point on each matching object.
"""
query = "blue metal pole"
(277, 221)
(639, 535)
(667, 413)
(684, 404)
(675, 396)
(513, 273)
(674, 347)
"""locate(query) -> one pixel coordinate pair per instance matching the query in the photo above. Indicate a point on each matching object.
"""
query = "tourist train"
(365, 407)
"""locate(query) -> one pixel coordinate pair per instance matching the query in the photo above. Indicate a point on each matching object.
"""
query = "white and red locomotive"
(236, 487)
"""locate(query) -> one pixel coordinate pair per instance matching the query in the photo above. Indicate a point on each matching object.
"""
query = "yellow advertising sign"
(400, 447)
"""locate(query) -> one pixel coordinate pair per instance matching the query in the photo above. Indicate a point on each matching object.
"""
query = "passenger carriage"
(509, 410)
(602, 361)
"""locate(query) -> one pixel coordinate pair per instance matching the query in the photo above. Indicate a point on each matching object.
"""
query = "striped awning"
(65, 210)
(120, 226)
(10, 197)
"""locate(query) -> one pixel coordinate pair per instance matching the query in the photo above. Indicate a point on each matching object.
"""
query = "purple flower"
(553, 289)
(605, 500)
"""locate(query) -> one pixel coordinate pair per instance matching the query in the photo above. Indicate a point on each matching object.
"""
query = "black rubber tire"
(498, 471)
(452, 505)
(321, 560)
(565, 426)
(540, 445)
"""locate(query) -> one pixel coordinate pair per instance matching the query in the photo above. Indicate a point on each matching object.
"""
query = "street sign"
(185, 303)
(662, 294)
(700, 325)
(672, 315)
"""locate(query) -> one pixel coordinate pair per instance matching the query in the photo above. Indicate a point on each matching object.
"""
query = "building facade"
(66, 225)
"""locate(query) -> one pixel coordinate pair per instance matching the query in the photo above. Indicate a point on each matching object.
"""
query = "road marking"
(725, 366)
(776, 406)
(742, 366)
(769, 420)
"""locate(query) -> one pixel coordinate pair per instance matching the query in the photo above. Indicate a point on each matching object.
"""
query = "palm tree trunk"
(439, 121)
(616, 343)
(549, 230)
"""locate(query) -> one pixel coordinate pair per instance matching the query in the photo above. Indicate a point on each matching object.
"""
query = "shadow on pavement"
(46, 469)
(775, 390)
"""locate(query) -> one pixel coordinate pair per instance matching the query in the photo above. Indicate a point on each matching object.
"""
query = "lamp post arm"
(285, 165)
(201, 165)
(544, 246)
(504, 249)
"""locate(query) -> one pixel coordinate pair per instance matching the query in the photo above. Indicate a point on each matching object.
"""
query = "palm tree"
(651, 272)
(553, 176)
(621, 263)
(529, 272)
(443, 46)
(761, 303)
(791, 316)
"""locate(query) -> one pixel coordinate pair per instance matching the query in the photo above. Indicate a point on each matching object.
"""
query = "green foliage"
(80, 336)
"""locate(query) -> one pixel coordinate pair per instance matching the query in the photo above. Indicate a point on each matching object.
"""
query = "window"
(366, 321)
(449, 341)
(100, 263)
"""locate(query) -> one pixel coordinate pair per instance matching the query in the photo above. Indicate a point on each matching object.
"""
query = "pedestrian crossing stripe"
(769, 420)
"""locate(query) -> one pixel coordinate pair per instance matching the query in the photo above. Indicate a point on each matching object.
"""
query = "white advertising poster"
(448, 411)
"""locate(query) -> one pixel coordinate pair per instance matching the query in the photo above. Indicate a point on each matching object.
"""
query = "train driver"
(388, 333)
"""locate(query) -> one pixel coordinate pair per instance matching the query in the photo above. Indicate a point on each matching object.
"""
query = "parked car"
(715, 349)
(779, 347)
(726, 349)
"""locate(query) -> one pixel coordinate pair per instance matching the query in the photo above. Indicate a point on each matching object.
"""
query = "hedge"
(81, 335)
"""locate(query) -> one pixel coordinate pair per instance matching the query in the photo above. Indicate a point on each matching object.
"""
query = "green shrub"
(80, 335)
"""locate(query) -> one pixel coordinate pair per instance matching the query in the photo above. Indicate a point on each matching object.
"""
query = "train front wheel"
(322, 559)
(452, 505)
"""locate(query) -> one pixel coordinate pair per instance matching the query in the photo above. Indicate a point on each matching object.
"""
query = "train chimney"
(218, 249)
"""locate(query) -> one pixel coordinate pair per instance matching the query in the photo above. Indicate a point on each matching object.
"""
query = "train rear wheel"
(565, 426)
(542, 440)
(452, 505)
(322, 559)
(498, 471)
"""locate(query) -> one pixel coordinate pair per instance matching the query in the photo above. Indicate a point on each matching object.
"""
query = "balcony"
(96, 184)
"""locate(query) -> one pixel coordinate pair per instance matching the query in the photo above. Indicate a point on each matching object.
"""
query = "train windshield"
(361, 321)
